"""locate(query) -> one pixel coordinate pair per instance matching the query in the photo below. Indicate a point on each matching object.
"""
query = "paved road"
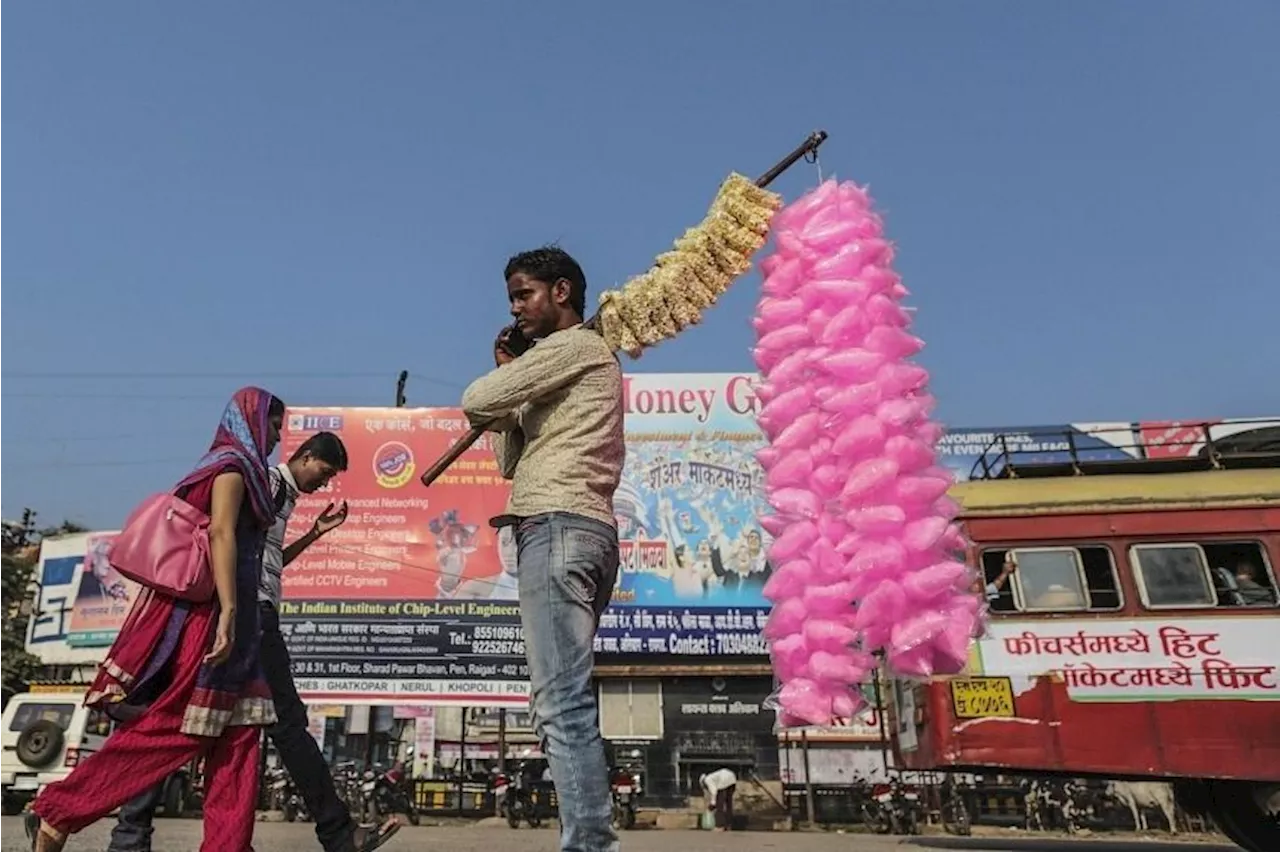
(184, 836)
(1102, 843)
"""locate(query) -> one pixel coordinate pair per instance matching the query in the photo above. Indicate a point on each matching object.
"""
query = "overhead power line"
(9, 466)
(144, 374)
(240, 375)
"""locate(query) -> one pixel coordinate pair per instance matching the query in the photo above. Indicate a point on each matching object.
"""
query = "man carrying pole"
(555, 412)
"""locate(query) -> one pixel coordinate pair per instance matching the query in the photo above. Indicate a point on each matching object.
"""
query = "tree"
(18, 665)
(64, 528)
(21, 555)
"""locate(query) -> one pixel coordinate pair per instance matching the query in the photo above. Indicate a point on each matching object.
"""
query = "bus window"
(1240, 573)
(1052, 579)
(1049, 579)
(999, 591)
(1100, 578)
(1172, 575)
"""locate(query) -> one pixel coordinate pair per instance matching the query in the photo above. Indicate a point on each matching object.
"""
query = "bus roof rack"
(1184, 447)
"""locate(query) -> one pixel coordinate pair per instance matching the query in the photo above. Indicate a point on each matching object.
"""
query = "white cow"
(1139, 795)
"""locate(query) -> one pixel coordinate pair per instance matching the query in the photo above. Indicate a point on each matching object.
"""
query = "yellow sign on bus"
(982, 697)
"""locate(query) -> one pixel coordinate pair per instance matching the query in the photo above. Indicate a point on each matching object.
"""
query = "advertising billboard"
(413, 599)
(693, 556)
(80, 601)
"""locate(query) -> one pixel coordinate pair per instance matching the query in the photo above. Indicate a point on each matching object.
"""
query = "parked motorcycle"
(955, 814)
(516, 800)
(349, 784)
(284, 795)
(624, 784)
(177, 793)
(893, 808)
(392, 793)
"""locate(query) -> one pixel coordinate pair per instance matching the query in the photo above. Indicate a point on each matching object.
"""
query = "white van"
(46, 732)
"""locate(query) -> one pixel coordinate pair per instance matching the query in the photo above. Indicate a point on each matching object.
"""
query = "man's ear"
(560, 291)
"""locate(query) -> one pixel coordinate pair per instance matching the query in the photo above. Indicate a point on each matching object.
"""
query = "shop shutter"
(631, 709)
(615, 709)
(646, 709)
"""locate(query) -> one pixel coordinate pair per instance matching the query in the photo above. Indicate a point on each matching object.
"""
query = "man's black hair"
(1246, 566)
(325, 446)
(550, 264)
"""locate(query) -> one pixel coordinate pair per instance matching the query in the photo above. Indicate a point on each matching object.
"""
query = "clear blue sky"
(315, 195)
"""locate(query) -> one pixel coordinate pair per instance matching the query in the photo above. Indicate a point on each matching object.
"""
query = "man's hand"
(503, 350)
(331, 520)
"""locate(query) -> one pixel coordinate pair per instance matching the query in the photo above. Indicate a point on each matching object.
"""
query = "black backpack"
(279, 494)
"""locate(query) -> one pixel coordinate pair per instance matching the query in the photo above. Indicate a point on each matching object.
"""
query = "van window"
(28, 713)
(1052, 579)
(1204, 574)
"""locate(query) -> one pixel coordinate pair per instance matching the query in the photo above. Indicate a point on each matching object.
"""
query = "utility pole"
(400, 383)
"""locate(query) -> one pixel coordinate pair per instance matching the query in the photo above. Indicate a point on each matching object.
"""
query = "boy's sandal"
(375, 836)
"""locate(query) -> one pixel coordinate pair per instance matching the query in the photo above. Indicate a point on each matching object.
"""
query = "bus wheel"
(1248, 813)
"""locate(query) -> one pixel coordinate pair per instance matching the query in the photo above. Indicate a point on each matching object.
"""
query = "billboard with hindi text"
(413, 600)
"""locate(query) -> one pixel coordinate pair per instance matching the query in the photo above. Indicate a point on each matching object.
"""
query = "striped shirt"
(269, 582)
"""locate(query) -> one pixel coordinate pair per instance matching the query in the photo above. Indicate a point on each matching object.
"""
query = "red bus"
(1134, 633)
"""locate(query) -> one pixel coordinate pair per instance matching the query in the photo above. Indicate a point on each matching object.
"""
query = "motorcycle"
(516, 801)
(392, 793)
(285, 796)
(955, 811)
(625, 787)
(368, 787)
(893, 809)
(347, 783)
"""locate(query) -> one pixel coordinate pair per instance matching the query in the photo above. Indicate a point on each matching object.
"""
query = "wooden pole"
(810, 808)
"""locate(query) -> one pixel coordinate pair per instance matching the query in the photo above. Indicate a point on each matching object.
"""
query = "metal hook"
(811, 156)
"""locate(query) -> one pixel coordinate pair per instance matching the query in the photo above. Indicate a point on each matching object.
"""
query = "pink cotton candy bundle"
(864, 534)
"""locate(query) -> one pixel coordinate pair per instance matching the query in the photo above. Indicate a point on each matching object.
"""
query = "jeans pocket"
(586, 557)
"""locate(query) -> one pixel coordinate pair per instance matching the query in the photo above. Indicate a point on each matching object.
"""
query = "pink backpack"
(165, 546)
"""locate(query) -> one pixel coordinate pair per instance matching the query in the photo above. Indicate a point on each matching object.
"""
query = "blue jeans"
(567, 566)
(133, 828)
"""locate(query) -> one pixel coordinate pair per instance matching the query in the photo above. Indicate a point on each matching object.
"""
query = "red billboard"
(412, 599)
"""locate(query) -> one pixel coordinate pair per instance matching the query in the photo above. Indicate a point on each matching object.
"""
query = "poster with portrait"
(103, 597)
(694, 557)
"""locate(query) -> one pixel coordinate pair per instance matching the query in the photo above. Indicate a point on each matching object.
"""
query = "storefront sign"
(713, 703)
